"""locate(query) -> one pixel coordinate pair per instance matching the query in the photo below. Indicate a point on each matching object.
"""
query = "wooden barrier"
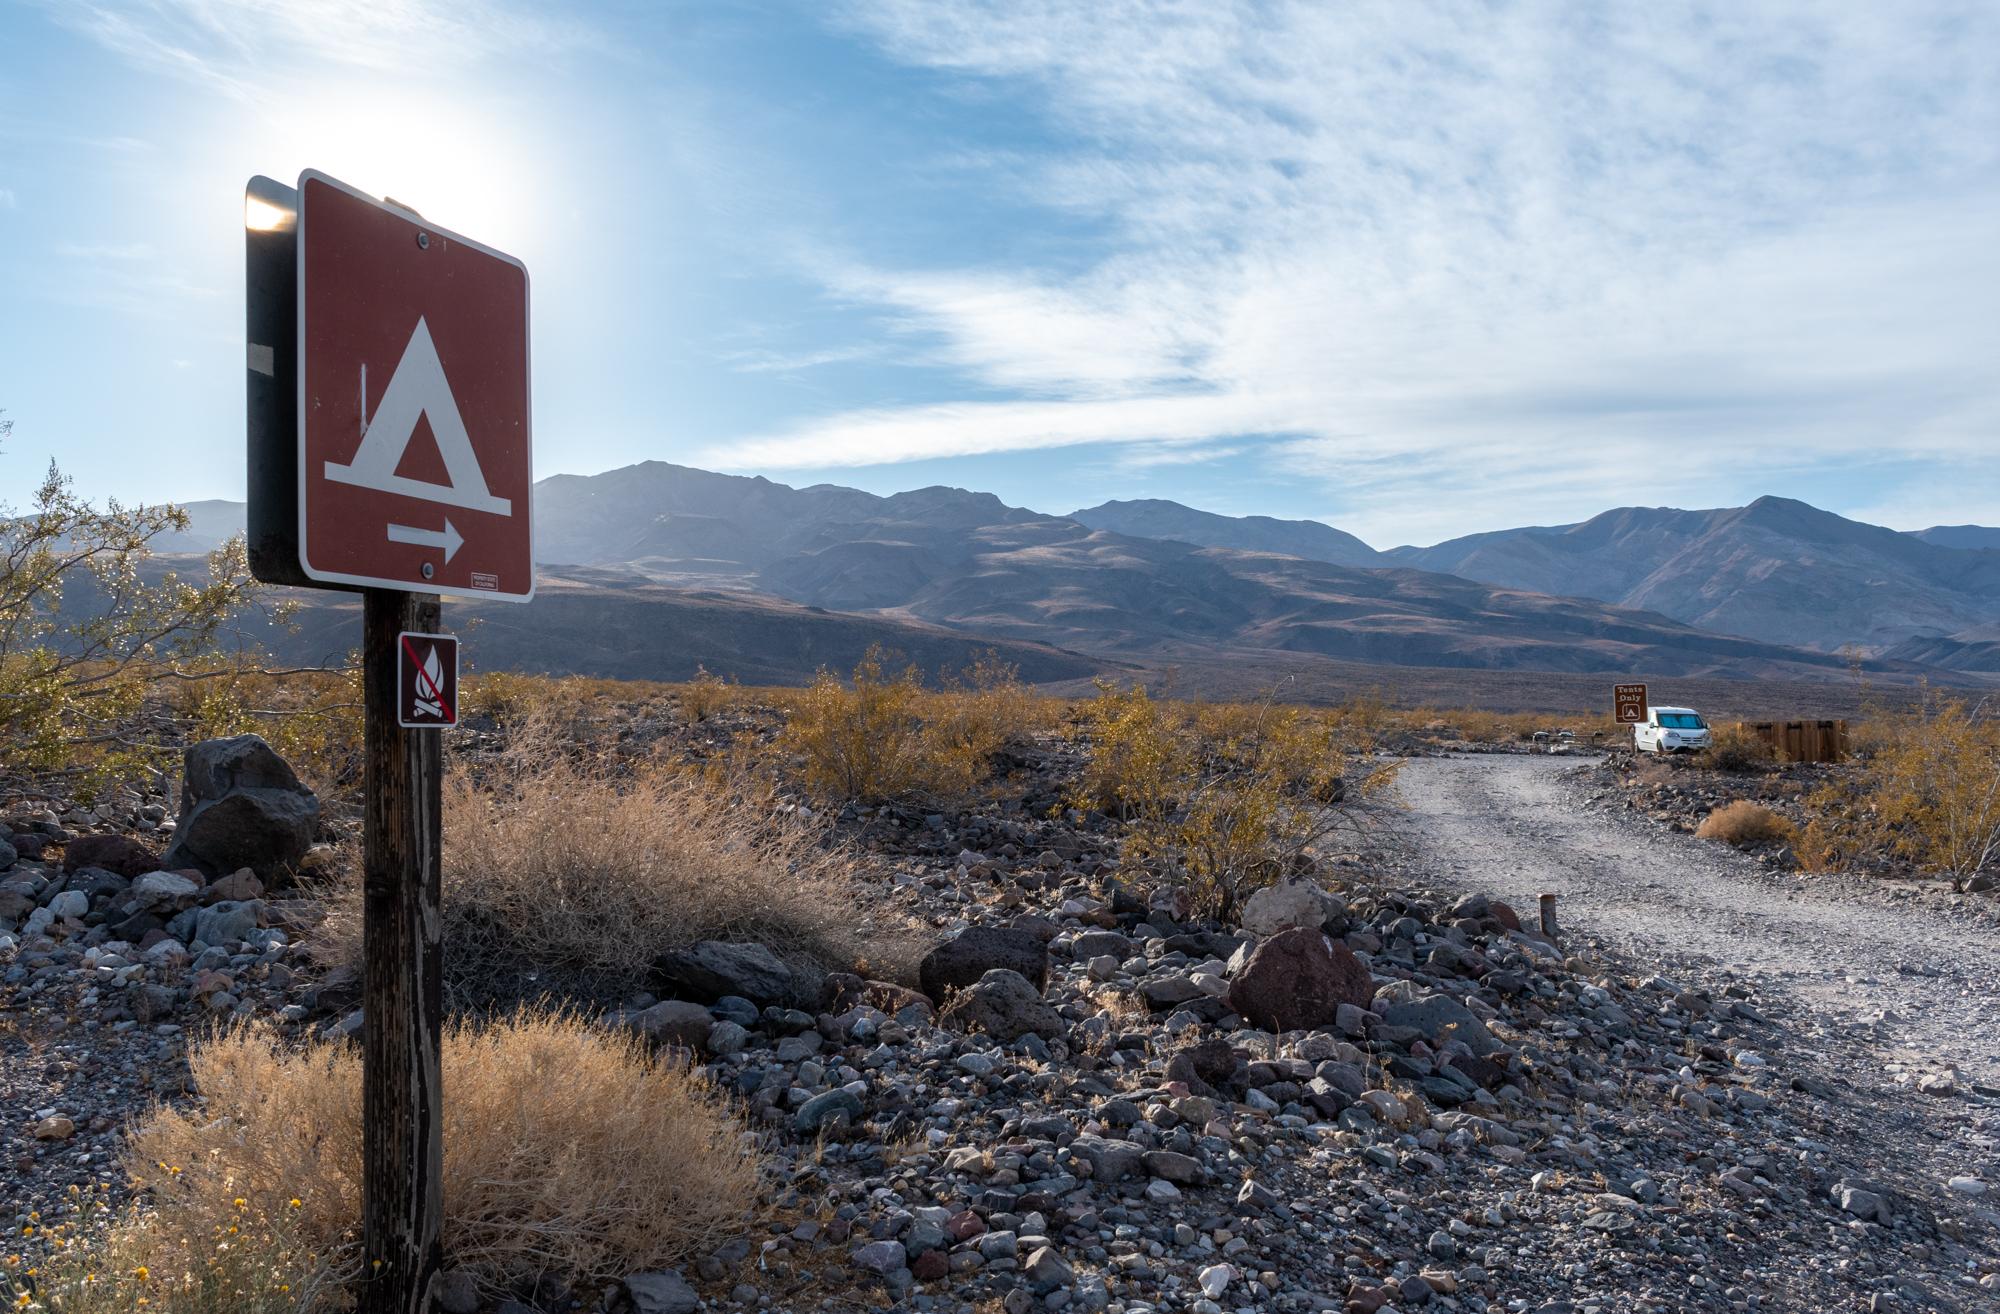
(1801, 741)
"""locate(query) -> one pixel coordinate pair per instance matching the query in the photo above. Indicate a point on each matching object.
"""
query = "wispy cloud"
(232, 45)
(1565, 257)
(761, 361)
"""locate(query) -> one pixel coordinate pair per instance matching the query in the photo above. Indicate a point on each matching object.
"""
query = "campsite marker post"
(411, 486)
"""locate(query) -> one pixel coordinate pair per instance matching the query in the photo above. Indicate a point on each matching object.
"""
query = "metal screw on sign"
(429, 570)
(424, 241)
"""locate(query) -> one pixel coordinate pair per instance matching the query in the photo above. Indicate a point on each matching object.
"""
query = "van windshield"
(1681, 721)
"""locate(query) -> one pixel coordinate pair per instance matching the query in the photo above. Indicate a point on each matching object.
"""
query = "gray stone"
(963, 960)
(726, 1038)
(227, 923)
(880, 1257)
(1865, 1200)
(833, 1106)
(672, 1022)
(1180, 1169)
(1285, 906)
(70, 903)
(659, 1293)
(1109, 1160)
(162, 890)
(455, 1292)
(709, 969)
(241, 806)
(1439, 1018)
(1004, 1005)
(1046, 1267)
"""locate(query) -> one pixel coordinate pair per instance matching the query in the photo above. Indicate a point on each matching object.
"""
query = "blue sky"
(1413, 270)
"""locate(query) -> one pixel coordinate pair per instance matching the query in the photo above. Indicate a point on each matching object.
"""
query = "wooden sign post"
(402, 1104)
(416, 485)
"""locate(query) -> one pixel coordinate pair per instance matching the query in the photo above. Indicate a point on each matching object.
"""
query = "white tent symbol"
(418, 389)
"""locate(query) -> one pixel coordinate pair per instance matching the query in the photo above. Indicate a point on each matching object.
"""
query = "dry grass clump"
(568, 873)
(1743, 823)
(567, 1150)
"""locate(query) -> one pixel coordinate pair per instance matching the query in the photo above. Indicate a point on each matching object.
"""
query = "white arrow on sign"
(447, 538)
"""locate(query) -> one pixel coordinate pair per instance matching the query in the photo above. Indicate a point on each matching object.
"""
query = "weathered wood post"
(1549, 929)
(402, 1146)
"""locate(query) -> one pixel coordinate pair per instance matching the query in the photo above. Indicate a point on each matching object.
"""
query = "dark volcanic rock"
(241, 806)
(1299, 978)
(709, 969)
(962, 960)
(1004, 1005)
(116, 853)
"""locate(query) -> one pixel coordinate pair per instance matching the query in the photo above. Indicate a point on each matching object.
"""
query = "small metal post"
(1549, 931)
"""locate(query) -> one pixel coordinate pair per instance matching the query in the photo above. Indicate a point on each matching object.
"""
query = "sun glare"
(447, 162)
(265, 217)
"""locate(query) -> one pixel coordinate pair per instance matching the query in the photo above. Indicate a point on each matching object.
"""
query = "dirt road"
(1893, 1007)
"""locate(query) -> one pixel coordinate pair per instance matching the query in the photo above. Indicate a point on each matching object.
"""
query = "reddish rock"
(930, 1266)
(1504, 915)
(119, 853)
(1299, 978)
(964, 1225)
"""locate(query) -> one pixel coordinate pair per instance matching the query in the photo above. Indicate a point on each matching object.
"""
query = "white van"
(1670, 730)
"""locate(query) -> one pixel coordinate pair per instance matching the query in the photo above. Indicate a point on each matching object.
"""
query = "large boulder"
(241, 806)
(709, 969)
(1297, 979)
(1281, 907)
(968, 956)
(116, 853)
(1004, 1005)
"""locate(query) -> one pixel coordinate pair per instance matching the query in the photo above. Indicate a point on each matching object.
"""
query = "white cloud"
(1535, 259)
(234, 46)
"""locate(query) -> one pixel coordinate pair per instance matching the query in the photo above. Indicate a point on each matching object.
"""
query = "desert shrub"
(880, 734)
(1742, 823)
(1736, 747)
(703, 696)
(1926, 791)
(1141, 754)
(567, 1150)
(565, 872)
(89, 631)
(1228, 798)
(859, 739)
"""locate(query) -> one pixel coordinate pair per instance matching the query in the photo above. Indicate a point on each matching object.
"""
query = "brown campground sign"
(1628, 703)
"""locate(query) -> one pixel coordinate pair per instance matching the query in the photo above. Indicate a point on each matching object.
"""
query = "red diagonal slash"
(417, 663)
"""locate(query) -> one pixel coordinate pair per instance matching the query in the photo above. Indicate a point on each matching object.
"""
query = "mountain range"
(679, 562)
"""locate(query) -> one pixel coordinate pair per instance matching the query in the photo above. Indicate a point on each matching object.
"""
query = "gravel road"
(1883, 998)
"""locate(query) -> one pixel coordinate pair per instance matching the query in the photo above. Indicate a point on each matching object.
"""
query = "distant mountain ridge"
(1765, 591)
(1154, 518)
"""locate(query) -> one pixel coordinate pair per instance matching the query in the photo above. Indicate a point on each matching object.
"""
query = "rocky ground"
(1375, 1093)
